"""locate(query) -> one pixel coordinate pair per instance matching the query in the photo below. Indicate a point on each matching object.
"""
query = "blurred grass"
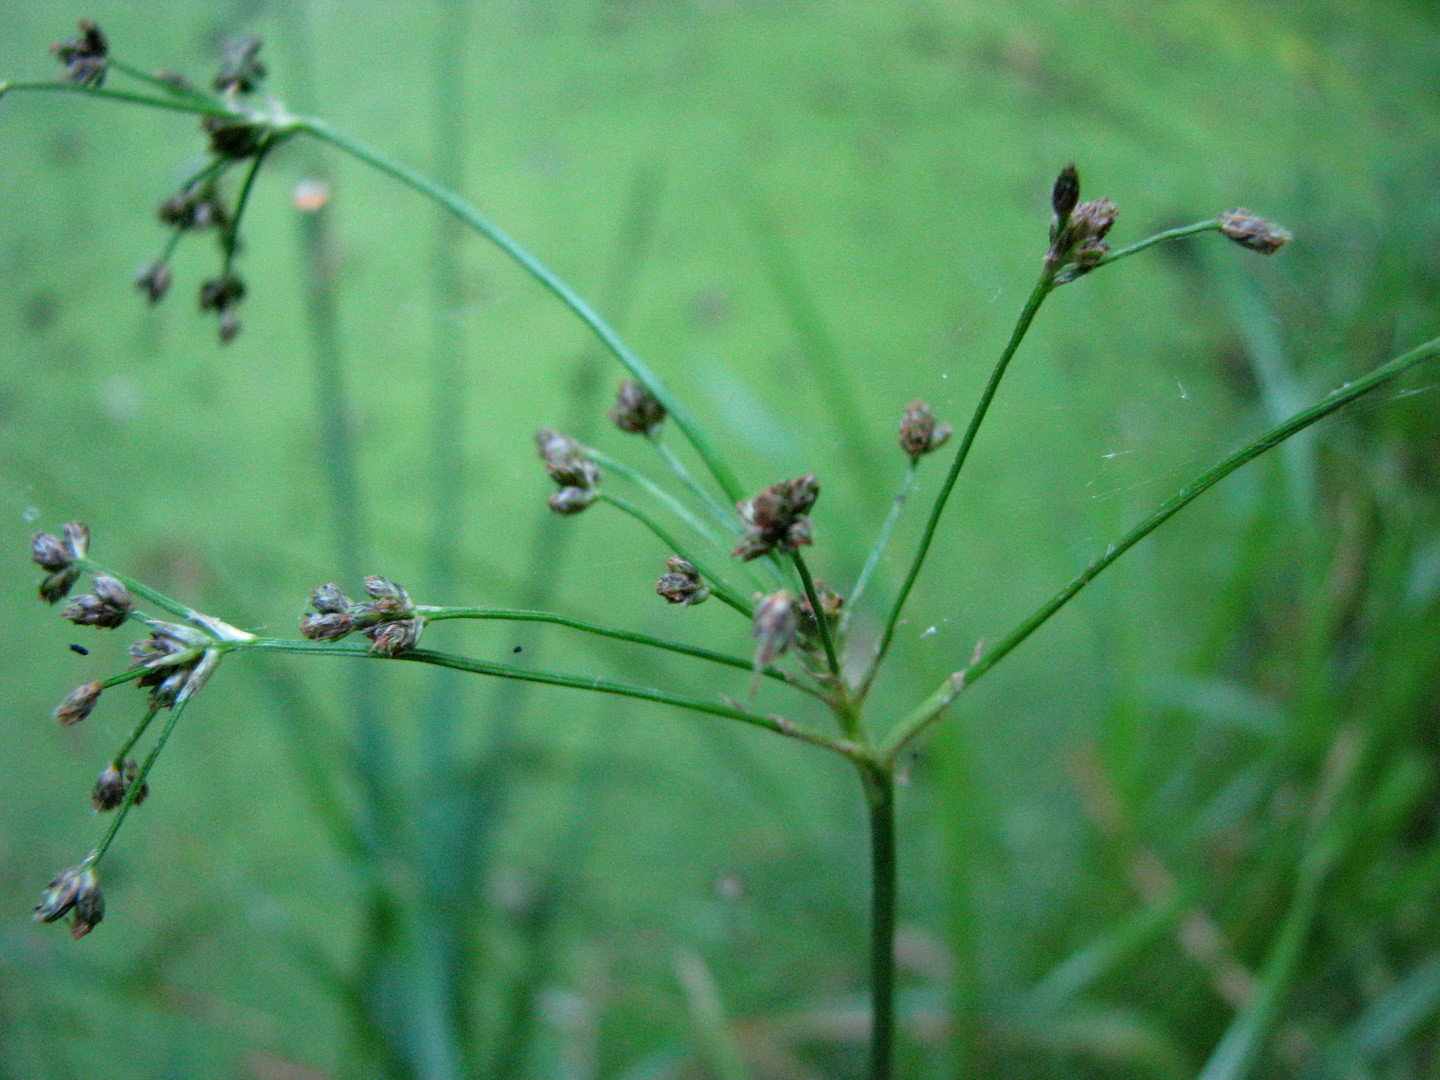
(902, 155)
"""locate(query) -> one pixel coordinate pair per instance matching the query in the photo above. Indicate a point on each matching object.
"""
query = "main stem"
(880, 794)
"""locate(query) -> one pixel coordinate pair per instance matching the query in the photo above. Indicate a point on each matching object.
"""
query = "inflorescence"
(791, 612)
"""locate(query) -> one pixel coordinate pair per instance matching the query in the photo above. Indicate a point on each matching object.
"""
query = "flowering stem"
(119, 759)
(723, 516)
(1159, 238)
(1042, 289)
(872, 560)
(138, 784)
(230, 242)
(440, 614)
(397, 170)
(922, 718)
(777, 724)
(174, 607)
(822, 623)
(674, 505)
(180, 89)
(721, 591)
(188, 106)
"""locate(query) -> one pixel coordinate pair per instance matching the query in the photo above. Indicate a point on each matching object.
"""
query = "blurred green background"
(1203, 799)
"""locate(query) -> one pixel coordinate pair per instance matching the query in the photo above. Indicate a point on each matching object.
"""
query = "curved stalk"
(421, 183)
(778, 724)
(922, 718)
(717, 586)
(138, 784)
(659, 494)
(440, 614)
(822, 624)
(882, 538)
(231, 240)
(1159, 238)
(194, 107)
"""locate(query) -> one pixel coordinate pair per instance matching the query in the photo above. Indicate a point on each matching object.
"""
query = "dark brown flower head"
(571, 500)
(106, 608)
(234, 137)
(84, 55)
(388, 617)
(221, 293)
(1065, 194)
(775, 627)
(777, 517)
(331, 626)
(76, 893)
(79, 703)
(1077, 233)
(394, 638)
(176, 662)
(48, 551)
(636, 409)
(379, 588)
(681, 583)
(565, 460)
(55, 587)
(112, 591)
(1254, 233)
(58, 557)
(89, 907)
(329, 600)
(167, 688)
(154, 280)
(242, 70)
(920, 432)
(150, 651)
(114, 784)
(196, 207)
(88, 610)
(572, 468)
(58, 585)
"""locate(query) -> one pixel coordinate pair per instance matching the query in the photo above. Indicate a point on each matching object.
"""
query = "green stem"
(231, 241)
(440, 614)
(174, 607)
(924, 715)
(822, 623)
(1332, 402)
(119, 759)
(880, 795)
(603, 330)
(1042, 289)
(717, 586)
(723, 515)
(184, 90)
(872, 560)
(138, 784)
(674, 505)
(194, 107)
(777, 724)
(1159, 238)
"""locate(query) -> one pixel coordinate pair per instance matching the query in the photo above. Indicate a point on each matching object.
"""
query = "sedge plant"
(800, 628)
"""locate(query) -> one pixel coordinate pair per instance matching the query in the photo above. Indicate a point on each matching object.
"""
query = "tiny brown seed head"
(1254, 233)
